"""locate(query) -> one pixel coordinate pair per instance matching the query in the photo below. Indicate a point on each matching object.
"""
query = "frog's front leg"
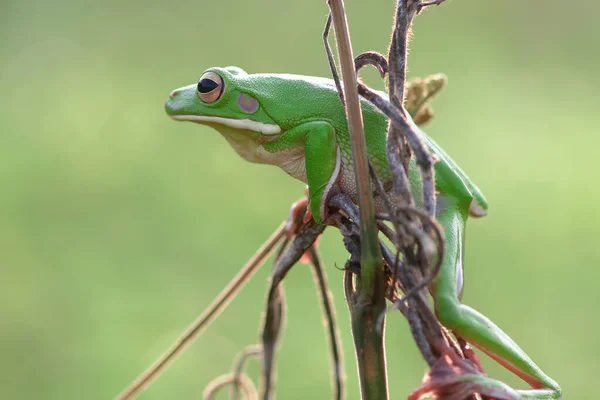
(470, 324)
(321, 158)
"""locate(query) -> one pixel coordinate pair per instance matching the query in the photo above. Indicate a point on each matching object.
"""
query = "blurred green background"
(118, 225)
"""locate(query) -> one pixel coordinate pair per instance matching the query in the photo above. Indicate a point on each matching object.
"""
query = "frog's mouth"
(256, 126)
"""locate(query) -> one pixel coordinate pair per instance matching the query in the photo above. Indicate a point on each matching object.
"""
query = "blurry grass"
(117, 225)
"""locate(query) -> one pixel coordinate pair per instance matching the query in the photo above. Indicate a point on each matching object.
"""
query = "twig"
(211, 312)
(273, 324)
(412, 132)
(219, 383)
(426, 245)
(238, 367)
(401, 131)
(424, 4)
(331, 60)
(343, 202)
(274, 311)
(371, 58)
(370, 256)
(335, 344)
(369, 301)
(398, 150)
(368, 342)
(423, 322)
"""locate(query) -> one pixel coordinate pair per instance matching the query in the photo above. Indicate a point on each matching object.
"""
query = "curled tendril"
(373, 58)
(242, 381)
(427, 221)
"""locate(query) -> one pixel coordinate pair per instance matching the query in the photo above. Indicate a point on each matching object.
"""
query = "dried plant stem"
(242, 381)
(403, 133)
(238, 368)
(335, 344)
(369, 345)
(209, 314)
(367, 302)
(370, 256)
(275, 311)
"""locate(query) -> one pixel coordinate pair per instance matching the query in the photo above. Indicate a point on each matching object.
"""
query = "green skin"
(298, 123)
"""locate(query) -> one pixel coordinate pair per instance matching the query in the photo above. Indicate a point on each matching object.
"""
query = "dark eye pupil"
(207, 85)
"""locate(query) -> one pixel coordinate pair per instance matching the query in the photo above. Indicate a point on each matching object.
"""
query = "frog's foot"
(470, 354)
(454, 378)
(299, 216)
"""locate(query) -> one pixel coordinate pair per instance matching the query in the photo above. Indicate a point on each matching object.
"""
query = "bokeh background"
(118, 225)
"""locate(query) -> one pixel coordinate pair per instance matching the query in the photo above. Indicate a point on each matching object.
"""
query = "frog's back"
(320, 102)
(453, 181)
(314, 99)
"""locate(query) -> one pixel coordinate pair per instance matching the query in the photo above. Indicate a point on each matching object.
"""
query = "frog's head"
(219, 99)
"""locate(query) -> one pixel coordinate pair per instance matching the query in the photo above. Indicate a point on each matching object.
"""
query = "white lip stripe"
(265, 129)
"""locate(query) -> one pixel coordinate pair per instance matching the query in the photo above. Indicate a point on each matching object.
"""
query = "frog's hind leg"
(472, 326)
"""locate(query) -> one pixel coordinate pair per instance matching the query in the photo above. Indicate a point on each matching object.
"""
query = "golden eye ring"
(210, 87)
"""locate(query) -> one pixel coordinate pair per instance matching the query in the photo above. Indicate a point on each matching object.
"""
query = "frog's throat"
(256, 126)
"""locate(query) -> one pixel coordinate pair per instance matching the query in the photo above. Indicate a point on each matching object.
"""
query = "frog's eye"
(210, 87)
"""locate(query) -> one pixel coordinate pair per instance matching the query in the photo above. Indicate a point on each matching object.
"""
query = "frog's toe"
(454, 378)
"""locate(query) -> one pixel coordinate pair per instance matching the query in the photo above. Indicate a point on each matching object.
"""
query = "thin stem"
(412, 132)
(273, 325)
(369, 345)
(372, 58)
(368, 340)
(209, 314)
(273, 320)
(238, 368)
(335, 344)
(399, 132)
(424, 4)
(398, 151)
(370, 255)
(331, 59)
(242, 381)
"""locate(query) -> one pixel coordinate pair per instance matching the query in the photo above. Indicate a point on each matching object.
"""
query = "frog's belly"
(347, 183)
